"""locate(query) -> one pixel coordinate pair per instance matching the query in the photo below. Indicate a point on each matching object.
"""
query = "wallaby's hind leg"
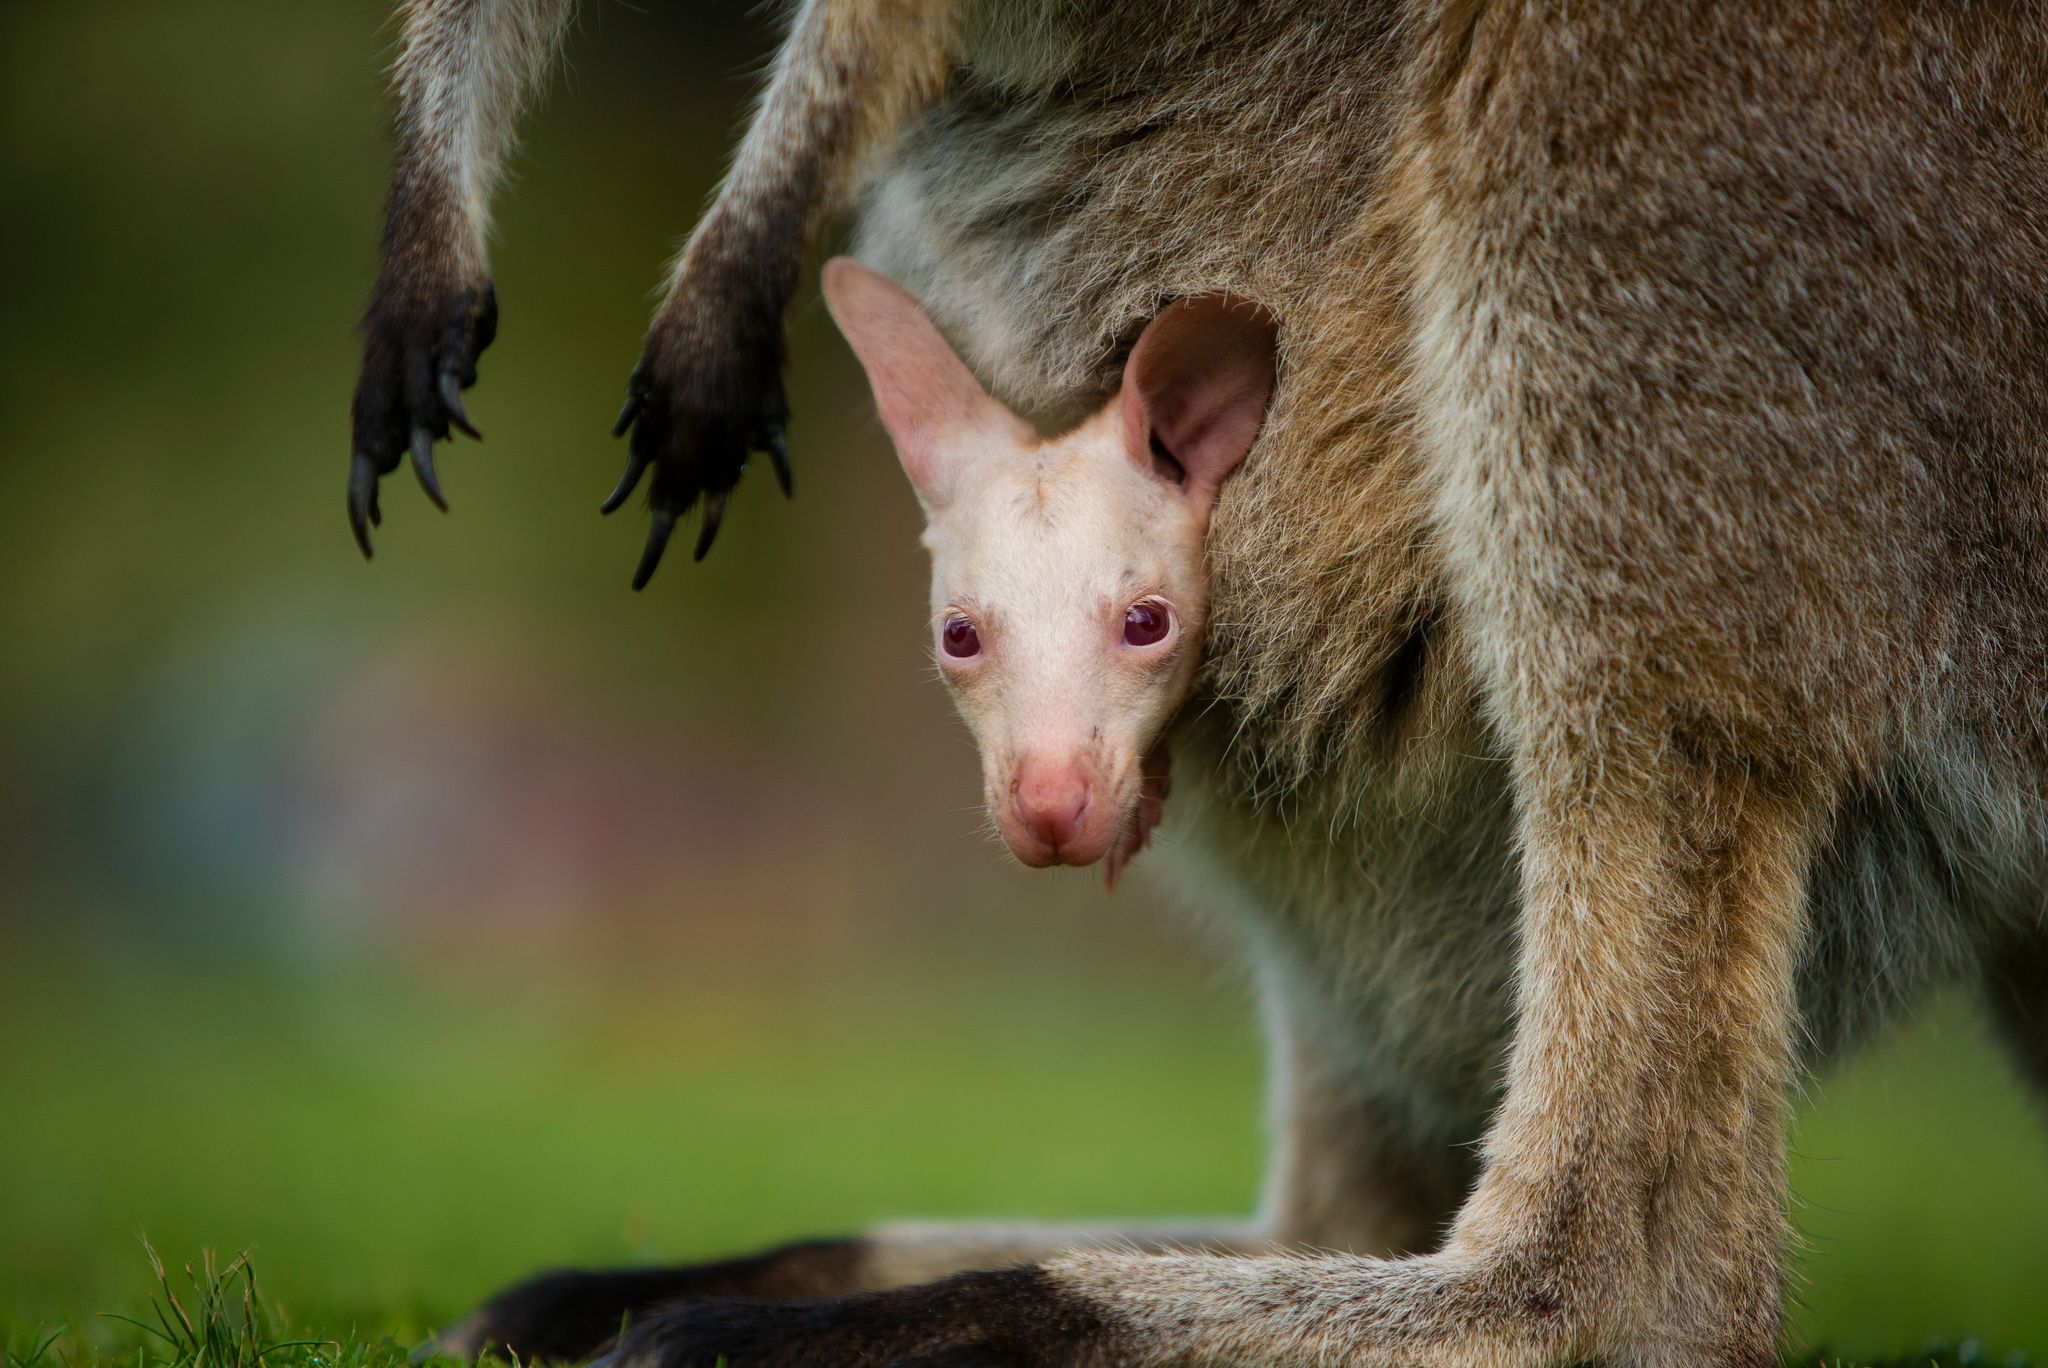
(1348, 1174)
(569, 1314)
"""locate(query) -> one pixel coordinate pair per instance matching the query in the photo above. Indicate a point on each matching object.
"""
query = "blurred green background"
(423, 923)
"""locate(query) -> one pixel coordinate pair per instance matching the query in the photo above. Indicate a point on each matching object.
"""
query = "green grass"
(213, 1316)
(391, 1145)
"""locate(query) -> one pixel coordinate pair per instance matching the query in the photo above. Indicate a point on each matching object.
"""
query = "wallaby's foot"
(418, 357)
(1007, 1317)
(568, 1315)
(697, 409)
(560, 1317)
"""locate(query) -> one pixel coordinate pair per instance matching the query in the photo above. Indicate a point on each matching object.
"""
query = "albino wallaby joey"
(1069, 590)
(1624, 685)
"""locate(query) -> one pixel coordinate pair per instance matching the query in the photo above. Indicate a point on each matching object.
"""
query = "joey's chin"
(1084, 848)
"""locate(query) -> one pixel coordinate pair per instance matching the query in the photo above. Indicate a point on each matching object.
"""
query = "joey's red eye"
(960, 638)
(1146, 624)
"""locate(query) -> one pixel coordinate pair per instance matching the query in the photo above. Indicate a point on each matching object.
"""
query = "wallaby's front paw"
(1010, 1317)
(418, 357)
(696, 412)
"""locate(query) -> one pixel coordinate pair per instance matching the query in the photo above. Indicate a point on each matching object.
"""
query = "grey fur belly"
(1393, 934)
(1382, 924)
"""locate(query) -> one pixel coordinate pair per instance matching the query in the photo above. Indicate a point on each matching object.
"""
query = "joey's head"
(1069, 591)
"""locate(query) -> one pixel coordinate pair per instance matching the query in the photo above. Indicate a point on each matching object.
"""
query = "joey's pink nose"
(1052, 800)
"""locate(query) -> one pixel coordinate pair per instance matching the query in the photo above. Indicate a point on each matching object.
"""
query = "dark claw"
(423, 466)
(663, 527)
(362, 500)
(451, 399)
(631, 410)
(714, 514)
(697, 408)
(778, 456)
(421, 340)
(636, 466)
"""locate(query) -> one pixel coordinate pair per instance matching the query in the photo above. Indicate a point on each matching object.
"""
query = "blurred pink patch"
(468, 790)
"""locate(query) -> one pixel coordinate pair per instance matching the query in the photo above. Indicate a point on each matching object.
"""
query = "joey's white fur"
(1069, 591)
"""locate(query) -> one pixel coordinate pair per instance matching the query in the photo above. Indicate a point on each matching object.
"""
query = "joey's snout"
(1051, 802)
(1053, 812)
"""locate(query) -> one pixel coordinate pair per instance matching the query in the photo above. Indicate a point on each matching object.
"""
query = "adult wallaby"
(1628, 647)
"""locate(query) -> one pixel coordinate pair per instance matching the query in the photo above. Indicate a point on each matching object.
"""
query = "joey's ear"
(932, 405)
(1195, 390)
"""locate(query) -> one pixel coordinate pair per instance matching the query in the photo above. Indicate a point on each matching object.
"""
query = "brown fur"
(1629, 648)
